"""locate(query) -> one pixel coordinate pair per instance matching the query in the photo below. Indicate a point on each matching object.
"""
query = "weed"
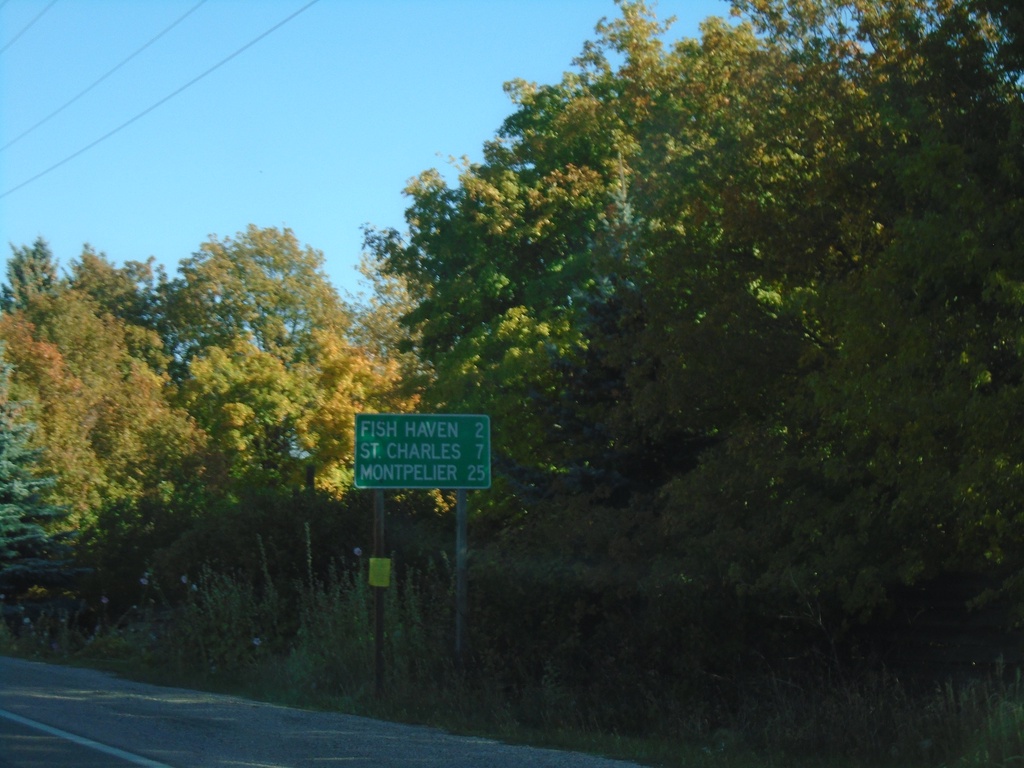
(312, 644)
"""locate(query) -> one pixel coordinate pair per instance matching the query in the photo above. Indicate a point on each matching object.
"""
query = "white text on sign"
(422, 451)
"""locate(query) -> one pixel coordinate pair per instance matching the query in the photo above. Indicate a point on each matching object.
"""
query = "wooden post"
(461, 577)
(378, 592)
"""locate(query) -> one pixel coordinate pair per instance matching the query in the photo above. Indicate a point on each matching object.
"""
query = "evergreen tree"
(30, 271)
(30, 555)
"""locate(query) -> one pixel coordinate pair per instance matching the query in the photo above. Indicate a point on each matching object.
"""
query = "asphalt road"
(119, 723)
(27, 744)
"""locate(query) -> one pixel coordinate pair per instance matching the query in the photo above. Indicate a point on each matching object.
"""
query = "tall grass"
(311, 642)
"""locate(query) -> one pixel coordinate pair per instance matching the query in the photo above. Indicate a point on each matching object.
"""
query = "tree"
(31, 271)
(746, 312)
(261, 287)
(885, 461)
(379, 331)
(130, 294)
(101, 409)
(496, 264)
(267, 362)
(251, 405)
(60, 406)
(31, 554)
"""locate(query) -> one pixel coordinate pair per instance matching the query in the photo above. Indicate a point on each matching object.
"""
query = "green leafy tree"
(130, 294)
(496, 264)
(250, 404)
(379, 331)
(261, 287)
(745, 310)
(31, 271)
(266, 360)
(885, 463)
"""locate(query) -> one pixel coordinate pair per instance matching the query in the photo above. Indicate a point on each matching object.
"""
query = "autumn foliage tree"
(264, 357)
(104, 422)
(745, 311)
(744, 314)
(34, 554)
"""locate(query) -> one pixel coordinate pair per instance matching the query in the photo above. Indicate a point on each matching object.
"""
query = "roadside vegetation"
(310, 644)
(746, 313)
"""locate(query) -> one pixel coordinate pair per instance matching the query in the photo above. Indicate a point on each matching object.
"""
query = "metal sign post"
(461, 576)
(378, 593)
(404, 450)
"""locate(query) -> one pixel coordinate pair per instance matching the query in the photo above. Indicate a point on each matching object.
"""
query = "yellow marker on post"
(380, 572)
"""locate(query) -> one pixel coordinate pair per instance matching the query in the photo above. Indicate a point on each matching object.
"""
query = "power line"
(162, 101)
(67, 104)
(26, 27)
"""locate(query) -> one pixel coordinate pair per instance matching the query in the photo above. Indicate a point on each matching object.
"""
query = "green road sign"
(401, 450)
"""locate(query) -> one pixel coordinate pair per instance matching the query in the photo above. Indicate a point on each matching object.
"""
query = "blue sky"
(317, 126)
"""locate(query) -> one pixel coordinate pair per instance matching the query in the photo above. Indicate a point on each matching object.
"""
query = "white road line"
(84, 742)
